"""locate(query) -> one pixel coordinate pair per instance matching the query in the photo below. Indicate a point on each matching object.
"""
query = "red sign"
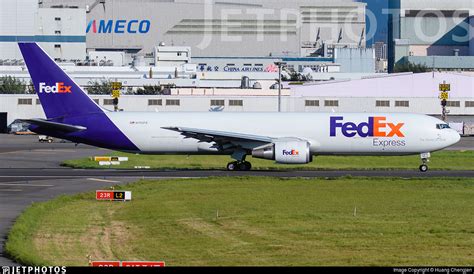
(105, 264)
(104, 195)
(143, 264)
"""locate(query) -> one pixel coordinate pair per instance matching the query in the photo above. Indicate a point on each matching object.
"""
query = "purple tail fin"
(60, 96)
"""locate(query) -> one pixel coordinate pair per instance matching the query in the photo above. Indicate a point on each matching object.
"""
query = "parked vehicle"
(45, 139)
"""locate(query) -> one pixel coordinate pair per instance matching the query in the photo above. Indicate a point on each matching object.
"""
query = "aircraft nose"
(454, 137)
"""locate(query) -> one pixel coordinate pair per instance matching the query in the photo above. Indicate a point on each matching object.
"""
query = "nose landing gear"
(424, 159)
(423, 168)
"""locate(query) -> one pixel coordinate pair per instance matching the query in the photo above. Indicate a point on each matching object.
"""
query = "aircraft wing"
(54, 125)
(224, 139)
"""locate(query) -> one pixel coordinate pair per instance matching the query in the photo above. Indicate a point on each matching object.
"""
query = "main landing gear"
(240, 164)
(425, 158)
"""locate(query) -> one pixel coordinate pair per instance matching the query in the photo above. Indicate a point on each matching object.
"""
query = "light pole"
(280, 64)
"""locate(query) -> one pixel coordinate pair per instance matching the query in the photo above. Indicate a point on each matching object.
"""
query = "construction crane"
(362, 37)
(89, 8)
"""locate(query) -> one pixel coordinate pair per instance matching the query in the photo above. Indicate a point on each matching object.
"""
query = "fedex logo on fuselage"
(374, 127)
(57, 88)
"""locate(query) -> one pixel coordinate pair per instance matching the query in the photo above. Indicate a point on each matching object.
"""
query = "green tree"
(296, 77)
(99, 88)
(12, 85)
(150, 90)
(30, 89)
(411, 67)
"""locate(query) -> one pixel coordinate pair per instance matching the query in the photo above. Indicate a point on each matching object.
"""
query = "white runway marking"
(54, 150)
(12, 152)
(82, 176)
(11, 190)
(31, 185)
(42, 152)
(40, 176)
(102, 180)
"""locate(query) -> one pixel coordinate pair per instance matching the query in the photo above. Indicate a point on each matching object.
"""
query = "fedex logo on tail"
(57, 88)
(374, 127)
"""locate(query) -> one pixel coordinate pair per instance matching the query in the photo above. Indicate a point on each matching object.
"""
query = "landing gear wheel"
(425, 159)
(240, 166)
(245, 166)
(232, 166)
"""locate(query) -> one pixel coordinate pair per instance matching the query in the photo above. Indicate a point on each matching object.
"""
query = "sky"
(376, 7)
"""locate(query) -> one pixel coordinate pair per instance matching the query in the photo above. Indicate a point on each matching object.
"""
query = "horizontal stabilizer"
(54, 126)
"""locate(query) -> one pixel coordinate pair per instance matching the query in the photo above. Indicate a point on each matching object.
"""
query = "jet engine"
(285, 152)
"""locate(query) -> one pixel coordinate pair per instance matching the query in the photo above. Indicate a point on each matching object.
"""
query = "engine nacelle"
(285, 152)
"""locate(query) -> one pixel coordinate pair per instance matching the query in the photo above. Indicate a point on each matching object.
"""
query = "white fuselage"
(347, 134)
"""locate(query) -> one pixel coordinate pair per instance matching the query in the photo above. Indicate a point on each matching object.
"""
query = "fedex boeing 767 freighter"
(286, 138)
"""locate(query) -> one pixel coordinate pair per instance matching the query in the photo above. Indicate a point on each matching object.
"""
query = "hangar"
(212, 28)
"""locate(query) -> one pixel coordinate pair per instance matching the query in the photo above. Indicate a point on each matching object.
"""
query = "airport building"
(101, 30)
(214, 28)
(436, 33)
(185, 43)
(381, 50)
(60, 31)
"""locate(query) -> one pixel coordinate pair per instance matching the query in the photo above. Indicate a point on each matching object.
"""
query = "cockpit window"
(442, 126)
